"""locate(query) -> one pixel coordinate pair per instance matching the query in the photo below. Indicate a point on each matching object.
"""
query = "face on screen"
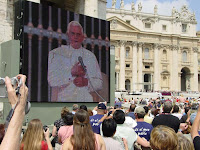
(75, 36)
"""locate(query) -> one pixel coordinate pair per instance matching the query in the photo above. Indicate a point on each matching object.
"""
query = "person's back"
(123, 131)
(83, 137)
(176, 113)
(166, 118)
(109, 129)
(147, 118)
(131, 111)
(95, 120)
(57, 124)
(67, 130)
(142, 129)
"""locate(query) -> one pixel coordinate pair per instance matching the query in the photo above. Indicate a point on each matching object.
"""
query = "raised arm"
(195, 125)
(11, 140)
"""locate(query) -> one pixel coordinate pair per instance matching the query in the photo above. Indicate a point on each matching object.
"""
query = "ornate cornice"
(184, 48)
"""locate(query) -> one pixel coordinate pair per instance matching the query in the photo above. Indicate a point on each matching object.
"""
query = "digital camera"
(45, 127)
(14, 81)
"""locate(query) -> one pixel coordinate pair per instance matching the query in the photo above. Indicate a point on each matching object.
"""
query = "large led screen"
(64, 55)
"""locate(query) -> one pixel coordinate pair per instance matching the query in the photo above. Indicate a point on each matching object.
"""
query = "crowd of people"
(156, 124)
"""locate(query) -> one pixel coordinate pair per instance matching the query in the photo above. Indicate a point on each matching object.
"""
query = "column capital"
(174, 47)
(165, 46)
(122, 42)
(195, 49)
(140, 44)
(157, 45)
(134, 43)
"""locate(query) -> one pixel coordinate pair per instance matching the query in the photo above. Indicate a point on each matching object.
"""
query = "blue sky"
(164, 6)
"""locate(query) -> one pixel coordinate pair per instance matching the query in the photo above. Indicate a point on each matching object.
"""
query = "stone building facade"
(154, 52)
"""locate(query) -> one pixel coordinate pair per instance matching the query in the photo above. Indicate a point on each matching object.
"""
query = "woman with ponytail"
(83, 137)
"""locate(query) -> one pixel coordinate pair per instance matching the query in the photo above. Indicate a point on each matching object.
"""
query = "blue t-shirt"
(143, 129)
(94, 121)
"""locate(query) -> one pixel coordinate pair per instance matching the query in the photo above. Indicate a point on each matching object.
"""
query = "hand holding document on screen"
(66, 74)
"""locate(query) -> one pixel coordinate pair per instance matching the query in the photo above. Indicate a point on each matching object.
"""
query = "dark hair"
(140, 115)
(68, 118)
(187, 109)
(167, 107)
(146, 109)
(90, 112)
(2, 132)
(132, 107)
(175, 109)
(83, 107)
(109, 127)
(119, 116)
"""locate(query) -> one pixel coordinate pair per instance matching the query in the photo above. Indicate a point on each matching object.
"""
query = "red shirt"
(44, 146)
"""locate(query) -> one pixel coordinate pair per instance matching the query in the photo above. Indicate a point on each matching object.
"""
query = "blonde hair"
(64, 111)
(184, 143)
(33, 136)
(163, 138)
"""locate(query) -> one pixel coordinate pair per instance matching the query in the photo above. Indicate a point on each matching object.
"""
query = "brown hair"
(90, 112)
(83, 137)
(2, 132)
(184, 143)
(64, 111)
(33, 136)
(163, 138)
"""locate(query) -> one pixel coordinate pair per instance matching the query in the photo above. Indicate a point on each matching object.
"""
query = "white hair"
(76, 24)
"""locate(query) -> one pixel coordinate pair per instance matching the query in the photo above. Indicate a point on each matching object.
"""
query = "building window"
(199, 62)
(165, 81)
(127, 84)
(127, 52)
(128, 21)
(184, 27)
(164, 27)
(147, 67)
(127, 65)
(184, 56)
(146, 53)
(164, 54)
(148, 25)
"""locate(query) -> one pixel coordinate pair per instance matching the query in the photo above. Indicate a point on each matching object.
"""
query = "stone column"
(156, 67)
(134, 66)
(117, 80)
(174, 65)
(152, 85)
(140, 67)
(195, 66)
(179, 81)
(122, 66)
